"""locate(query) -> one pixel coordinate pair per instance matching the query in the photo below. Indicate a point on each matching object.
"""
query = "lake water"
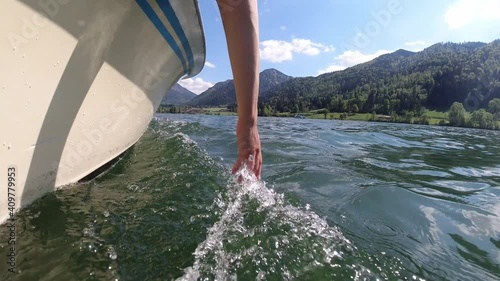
(339, 200)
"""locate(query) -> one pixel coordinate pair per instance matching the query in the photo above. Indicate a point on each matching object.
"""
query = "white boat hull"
(80, 82)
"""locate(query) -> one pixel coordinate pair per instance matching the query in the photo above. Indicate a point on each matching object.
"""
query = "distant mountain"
(178, 95)
(270, 78)
(223, 93)
(400, 81)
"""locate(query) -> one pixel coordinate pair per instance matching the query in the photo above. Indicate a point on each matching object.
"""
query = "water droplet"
(89, 232)
(112, 253)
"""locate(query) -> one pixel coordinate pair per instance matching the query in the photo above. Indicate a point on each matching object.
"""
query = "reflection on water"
(340, 201)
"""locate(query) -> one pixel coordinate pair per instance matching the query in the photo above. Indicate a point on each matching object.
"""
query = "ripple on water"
(381, 227)
(432, 173)
(477, 172)
(460, 187)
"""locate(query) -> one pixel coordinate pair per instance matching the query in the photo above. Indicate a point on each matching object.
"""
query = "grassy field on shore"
(433, 117)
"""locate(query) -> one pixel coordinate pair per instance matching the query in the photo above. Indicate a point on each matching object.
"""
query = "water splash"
(260, 236)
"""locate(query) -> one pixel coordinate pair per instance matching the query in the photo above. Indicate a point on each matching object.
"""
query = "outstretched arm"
(241, 25)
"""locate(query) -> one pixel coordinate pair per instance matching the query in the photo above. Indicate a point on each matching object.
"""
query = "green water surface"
(338, 201)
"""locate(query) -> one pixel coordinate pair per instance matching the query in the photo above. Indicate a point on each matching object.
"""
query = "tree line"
(483, 119)
(402, 83)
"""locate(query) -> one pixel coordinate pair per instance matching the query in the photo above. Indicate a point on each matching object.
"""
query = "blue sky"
(310, 37)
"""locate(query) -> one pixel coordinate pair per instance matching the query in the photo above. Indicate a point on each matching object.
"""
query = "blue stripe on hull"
(153, 17)
(169, 13)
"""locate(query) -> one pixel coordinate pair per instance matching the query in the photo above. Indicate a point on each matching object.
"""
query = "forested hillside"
(399, 82)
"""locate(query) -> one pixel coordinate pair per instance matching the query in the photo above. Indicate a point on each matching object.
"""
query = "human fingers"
(236, 166)
(257, 164)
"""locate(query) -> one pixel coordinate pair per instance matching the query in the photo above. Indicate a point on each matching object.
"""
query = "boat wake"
(261, 236)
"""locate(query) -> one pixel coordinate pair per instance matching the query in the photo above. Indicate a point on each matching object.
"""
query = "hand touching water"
(241, 25)
(249, 151)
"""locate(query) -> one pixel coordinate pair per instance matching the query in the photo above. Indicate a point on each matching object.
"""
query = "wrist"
(247, 122)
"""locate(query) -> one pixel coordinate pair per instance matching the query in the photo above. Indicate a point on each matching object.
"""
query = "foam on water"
(260, 235)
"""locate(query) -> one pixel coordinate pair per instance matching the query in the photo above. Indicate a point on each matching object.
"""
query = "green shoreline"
(428, 117)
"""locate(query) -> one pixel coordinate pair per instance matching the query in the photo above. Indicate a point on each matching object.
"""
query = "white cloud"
(195, 85)
(350, 58)
(331, 68)
(415, 43)
(415, 46)
(279, 51)
(466, 12)
(276, 51)
(209, 64)
(283, 27)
